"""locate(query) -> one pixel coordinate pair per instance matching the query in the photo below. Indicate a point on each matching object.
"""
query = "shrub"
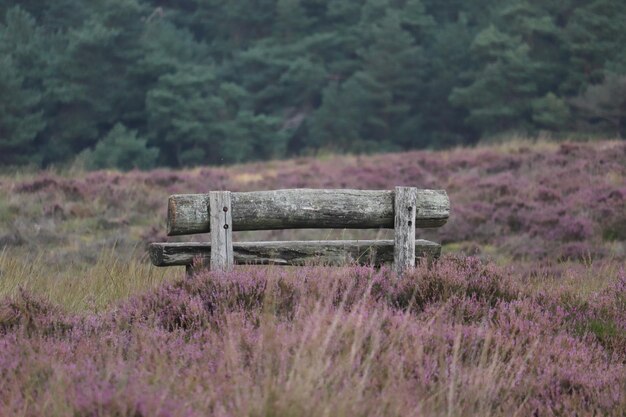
(123, 149)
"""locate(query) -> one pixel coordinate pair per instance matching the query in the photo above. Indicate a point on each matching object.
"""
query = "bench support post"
(221, 231)
(404, 229)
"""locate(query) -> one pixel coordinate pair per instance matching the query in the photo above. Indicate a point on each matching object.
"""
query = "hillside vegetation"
(140, 83)
(540, 201)
(532, 322)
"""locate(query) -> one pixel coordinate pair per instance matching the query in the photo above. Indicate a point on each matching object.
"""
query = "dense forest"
(140, 83)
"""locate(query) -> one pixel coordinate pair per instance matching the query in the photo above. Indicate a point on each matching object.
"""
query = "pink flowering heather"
(533, 324)
(551, 201)
(459, 338)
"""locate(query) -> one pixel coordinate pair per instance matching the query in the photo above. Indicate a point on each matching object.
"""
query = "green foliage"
(194, 118)
(606, 331)
(211, 82)
(604, 104)
(291, 19)
(550, 112)
(373, 109)
(595, 36)
(21, 118)
(123, 149)
(20, 122)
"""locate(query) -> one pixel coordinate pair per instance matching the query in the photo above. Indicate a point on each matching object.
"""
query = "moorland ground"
(524, 315)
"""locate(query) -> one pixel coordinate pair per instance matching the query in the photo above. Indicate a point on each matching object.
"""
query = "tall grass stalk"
(84, 287)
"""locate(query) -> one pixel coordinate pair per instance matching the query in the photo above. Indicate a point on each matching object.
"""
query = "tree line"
(143, 83)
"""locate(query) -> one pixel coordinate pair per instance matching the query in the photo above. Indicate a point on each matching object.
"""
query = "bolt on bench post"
(405, 202)
(220, 215)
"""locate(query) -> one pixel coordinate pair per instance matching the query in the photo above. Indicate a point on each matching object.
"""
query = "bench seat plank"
(326, 252)
(305, 209)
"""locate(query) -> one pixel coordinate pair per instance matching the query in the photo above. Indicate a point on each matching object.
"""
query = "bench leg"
(221, 231)
(188, 271)
(404, 229)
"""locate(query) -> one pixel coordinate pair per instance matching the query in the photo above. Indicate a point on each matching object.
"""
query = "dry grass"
(84, 287)
(458, 339)
(514, 333)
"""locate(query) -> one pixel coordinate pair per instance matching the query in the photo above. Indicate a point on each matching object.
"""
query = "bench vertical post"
(221, 231)
(404, 229)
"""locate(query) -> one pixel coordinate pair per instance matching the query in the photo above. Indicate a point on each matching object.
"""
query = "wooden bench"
(222, 212)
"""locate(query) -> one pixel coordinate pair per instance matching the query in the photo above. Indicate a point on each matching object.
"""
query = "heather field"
(525, 314)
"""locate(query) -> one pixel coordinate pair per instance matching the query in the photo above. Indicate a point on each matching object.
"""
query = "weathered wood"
(222, 234)
(305, 209)
(404, 229)
(334, 252)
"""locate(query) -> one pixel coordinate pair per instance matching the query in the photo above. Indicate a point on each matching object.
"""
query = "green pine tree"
(21, 115)
(291, 19)
(500, 94)
(376, 110)
(123, 149)
(20, 118)
(595, 35)
(92, 86)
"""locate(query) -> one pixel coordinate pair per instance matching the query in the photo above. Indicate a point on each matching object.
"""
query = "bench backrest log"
(222, 212)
